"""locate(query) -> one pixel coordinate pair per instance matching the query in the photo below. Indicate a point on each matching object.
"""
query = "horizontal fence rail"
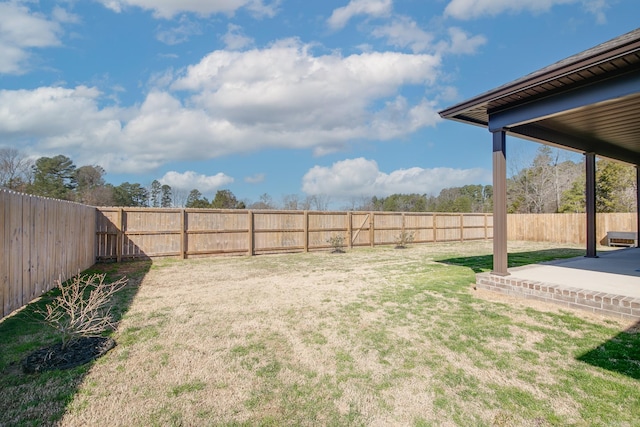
(126, 233)
(42, 240)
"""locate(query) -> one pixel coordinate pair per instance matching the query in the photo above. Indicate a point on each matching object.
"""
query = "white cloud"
(404, 32)
(299, 100)
(461, 42)
(179, 33)
(20, 31)
(189, 180)
(597, 8)
(471, 9)
(362, 177)
(255, 179)
(235, 39)
(236, 102)
(167, 9)
(63, 16)
(377, 8)
(49, 111)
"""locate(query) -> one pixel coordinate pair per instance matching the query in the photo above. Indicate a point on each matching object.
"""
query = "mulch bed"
(77, 353)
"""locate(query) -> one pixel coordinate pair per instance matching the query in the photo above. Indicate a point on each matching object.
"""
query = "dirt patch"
(77, 353)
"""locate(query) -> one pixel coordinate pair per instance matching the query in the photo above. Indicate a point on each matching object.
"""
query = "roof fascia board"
(555, 71)
(619, 87)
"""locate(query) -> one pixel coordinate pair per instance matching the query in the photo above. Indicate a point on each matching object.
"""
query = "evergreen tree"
(154, 194)
(127, 194)
(165, 200)
(54, 177)
(615, 187)
(225, 199)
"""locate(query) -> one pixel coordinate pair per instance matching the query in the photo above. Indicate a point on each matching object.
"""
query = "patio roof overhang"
(589, 102)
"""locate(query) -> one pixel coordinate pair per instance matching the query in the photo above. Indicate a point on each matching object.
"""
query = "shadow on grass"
(620, 354)
(41, 398)
(483, 263)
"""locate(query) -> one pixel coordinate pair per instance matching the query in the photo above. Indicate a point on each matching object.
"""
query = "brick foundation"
(593, 301)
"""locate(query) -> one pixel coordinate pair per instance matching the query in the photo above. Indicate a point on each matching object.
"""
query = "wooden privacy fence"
(125, 233)
(567, 227)
(42, 239)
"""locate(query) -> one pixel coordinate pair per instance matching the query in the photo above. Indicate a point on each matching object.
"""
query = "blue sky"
(307, 97)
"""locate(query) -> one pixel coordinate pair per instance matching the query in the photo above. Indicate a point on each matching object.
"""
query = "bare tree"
(291, 202)
(179, 196)
(359, 203)
(539, 188)
(15, 169)
(265, 202)
(319, 202)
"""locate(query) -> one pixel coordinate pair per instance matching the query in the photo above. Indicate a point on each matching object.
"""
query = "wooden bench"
(622, 238)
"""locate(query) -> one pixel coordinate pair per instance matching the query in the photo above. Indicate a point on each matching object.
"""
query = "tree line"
(548, 185)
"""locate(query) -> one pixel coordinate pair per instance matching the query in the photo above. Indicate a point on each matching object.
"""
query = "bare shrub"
(337, 243)
(82, 309)
(403, 239)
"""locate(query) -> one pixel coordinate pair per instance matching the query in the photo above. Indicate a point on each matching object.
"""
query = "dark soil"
(77, 353)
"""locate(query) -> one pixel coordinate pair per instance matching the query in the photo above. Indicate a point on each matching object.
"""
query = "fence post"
(183, 235)
(306, 231)
(372, 231)
(119, 235)
(350, 229)
(435, 228)
(251, 233)
(486, 226)
(462, 227)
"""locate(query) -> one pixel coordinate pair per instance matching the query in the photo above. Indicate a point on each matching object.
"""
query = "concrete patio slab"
(609, 284)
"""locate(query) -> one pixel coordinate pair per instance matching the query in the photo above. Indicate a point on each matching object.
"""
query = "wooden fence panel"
(421, 225)
(473, 226)
(388, 226)
(42, 240)
(566, 228)
(325, 225)
(106, 233)
(278, 231)
(212, 232)
(448, 227)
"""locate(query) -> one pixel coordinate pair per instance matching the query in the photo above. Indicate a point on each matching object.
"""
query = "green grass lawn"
(374, 336)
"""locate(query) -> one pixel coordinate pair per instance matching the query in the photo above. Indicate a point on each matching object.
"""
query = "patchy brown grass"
(370, 337)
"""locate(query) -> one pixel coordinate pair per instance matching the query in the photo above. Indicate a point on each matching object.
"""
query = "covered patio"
(589, 102)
